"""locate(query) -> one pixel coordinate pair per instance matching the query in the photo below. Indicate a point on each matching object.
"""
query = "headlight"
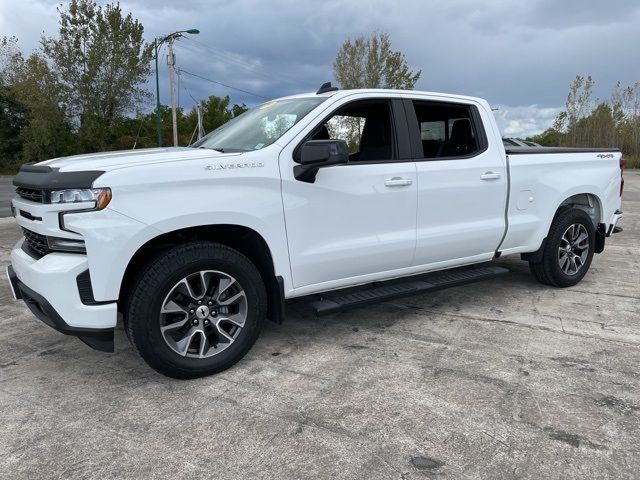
(101, 196)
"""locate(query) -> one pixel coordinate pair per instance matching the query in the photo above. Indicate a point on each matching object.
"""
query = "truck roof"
(382, 91)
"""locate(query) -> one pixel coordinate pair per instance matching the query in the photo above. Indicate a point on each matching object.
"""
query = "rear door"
(358, 219)
(462, 182)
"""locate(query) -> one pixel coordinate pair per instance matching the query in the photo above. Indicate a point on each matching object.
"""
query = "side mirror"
(316, 154)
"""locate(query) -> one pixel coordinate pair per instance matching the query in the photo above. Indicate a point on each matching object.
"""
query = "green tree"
(102, 61)
(31, 104)
(238, 109)
(549, 138)
(12, 113)
(12, 121)
(586, 123)
(579, 104)
(48, 132)
(371, 63)
(216, 112)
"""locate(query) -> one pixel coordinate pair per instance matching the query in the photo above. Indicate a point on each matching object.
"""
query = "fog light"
(66, 245)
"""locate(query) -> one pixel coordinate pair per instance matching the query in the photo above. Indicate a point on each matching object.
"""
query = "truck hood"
(125, 158)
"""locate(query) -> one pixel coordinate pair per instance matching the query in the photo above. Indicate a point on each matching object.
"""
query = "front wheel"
(196, 309)
(568, 250)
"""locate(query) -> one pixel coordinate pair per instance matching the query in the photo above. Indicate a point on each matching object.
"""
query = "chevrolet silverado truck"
(344, 197)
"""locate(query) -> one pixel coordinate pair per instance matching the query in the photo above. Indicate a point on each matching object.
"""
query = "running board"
(335, 301)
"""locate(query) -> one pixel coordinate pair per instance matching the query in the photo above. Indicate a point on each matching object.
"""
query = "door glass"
(365, 126)
(446, 129)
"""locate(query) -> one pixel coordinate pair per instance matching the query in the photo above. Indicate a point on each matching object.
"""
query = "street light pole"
(159, 41)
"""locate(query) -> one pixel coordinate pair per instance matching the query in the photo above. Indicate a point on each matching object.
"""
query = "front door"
(356, 219)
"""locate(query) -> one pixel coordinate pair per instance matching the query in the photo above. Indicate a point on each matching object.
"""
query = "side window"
(446, 129)
(433, 131)
(367, 128)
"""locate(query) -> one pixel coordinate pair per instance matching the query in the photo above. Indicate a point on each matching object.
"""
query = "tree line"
(83, 90)
(588, 122)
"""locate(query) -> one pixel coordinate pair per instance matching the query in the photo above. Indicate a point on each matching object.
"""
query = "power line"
(224, 84)
(229, 61)
(186, 90)
(227, 57)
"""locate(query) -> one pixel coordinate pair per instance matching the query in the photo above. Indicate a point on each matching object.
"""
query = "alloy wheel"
(574, 249)
(203, 314)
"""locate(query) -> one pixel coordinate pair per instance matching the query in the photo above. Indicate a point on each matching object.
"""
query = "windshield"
(260, 126)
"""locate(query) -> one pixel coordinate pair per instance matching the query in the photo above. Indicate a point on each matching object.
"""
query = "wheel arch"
(590, 203)
(587, 201)
(239, 237)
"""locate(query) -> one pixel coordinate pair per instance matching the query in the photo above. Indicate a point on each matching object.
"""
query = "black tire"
(549, 271)
(161, 274)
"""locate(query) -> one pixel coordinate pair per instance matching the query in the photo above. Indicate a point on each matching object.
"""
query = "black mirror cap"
(319, 153)
(322, 152)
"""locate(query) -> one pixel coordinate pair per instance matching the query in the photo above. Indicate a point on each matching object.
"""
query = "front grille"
(30, 194)
(36, 243)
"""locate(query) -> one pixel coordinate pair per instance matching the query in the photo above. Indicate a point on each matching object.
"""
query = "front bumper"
(49, 287)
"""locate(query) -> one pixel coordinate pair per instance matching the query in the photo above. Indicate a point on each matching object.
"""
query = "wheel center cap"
(202, 312)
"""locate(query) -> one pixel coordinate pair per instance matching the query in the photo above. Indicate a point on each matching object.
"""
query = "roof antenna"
(326, 87)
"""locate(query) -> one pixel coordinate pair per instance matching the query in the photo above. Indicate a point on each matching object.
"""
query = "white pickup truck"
(300, 196)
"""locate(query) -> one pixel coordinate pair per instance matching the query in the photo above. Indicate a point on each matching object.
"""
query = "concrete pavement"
(6, 193)
(502, 379)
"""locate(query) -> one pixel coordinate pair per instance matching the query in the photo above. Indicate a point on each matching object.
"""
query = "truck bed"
(545, 150)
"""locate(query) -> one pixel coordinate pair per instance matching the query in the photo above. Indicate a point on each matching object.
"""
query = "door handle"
(398, 182)
(490, 176)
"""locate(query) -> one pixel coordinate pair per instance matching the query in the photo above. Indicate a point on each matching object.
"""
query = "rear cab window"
(447, 130)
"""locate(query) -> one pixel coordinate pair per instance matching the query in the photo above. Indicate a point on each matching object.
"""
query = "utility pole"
(200, 126)
(171, 60)
(158, 117)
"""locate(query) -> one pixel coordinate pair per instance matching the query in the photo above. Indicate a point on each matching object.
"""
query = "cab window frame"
(400, 147)
(415, 135)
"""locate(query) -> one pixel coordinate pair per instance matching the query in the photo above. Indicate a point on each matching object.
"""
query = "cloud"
(511, 53)
(524, 121)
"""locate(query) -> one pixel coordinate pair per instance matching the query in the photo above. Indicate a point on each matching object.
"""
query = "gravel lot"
(503, 379)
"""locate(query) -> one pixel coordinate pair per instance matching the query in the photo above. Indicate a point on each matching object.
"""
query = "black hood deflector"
(43, 177)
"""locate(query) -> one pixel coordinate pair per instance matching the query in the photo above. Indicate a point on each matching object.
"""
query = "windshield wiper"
(217, 149)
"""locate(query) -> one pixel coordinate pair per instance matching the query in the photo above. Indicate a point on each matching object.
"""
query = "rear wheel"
(196, 310)
(568, 250)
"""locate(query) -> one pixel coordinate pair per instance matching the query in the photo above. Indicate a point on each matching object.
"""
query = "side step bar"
(379, 292)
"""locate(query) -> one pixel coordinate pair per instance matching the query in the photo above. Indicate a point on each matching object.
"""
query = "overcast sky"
(521, 55)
